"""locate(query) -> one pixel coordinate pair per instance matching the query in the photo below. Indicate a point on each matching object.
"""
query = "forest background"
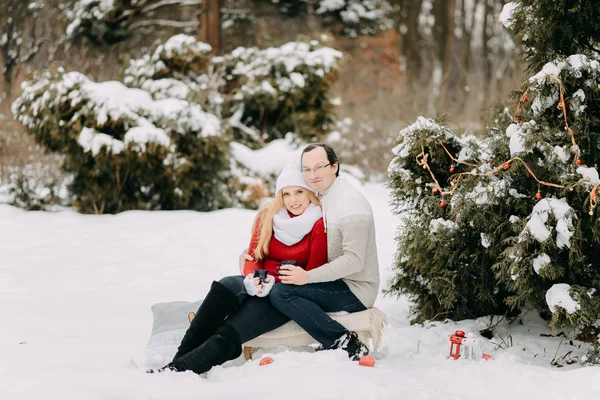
(423, 57)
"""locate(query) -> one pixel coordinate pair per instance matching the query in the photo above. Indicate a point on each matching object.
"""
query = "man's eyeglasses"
(316, 169)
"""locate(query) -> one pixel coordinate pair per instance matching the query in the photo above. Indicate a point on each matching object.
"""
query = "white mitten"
(250, 286)
(267, 285)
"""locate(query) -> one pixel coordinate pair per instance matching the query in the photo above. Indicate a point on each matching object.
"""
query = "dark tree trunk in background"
(411, 41)
(487, 70)
(210, 24)
(464, 65)
(449, 71)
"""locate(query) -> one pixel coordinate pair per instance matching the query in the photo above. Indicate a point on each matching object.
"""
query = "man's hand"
(293, 275)
(243, 257)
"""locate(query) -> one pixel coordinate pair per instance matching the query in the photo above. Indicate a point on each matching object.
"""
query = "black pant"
(256, 315)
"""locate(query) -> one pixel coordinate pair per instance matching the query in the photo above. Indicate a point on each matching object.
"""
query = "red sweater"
(309, 253)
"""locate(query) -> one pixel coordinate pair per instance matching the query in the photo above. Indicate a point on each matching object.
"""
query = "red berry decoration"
(518, 119)
(538, 195)
(451, 170)
(559, 106)
(579, 162)
(435, 190)
(506, 166)
(443, 204)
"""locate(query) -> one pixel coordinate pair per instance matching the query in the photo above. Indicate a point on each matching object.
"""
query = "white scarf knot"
(290, 231)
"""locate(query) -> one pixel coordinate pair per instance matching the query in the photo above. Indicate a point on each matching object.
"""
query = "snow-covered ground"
(75, 298)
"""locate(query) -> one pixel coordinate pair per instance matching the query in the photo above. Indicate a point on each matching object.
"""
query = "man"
(349, 281)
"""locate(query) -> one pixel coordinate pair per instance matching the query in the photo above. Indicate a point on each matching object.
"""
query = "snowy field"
(75, 298)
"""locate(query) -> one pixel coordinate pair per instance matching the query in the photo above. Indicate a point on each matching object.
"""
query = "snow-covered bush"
(522, 201)
(33, 187)
(124, 149)
(278, 90)
(358, 17)
(446, 245)
(163, 139)
(112, 21)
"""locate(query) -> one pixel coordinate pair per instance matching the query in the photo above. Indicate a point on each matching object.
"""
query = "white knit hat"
(291, 175)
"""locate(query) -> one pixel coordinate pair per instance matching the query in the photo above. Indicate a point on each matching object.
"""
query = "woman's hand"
(252, 285)
(293, 275)
(243, 257)
(266, 286)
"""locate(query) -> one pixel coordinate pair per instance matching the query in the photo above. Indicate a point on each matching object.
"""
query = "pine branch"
(165, 22)
(182, 3)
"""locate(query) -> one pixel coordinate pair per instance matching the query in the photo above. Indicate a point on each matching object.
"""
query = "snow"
(142, 135)
(270, 159)
(590, 174)
(548, 69)
(517, 142)
(330, 5)
(85, 10)
(438, 223)
(298, 79)
(403, 150)
(540, 262)
(75, 297)
(479, 194)
(561, 153)
(558, 296)
(536, 226)
(93, 141)
(506, 16)
(485, 240)
(179, 44)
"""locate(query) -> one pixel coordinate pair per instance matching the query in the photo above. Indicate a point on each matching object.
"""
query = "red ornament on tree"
(559, 106)
(506, 166)
(518, 119)
(435, 190)
(579, 162)
(538, 195)
(443, 204)
(451, 170)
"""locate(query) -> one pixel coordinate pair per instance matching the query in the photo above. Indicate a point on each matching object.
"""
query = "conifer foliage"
(163, 139)
(510, 220)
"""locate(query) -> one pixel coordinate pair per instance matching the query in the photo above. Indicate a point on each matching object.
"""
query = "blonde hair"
(265, 220)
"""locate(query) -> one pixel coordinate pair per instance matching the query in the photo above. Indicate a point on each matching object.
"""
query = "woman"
(237, 308)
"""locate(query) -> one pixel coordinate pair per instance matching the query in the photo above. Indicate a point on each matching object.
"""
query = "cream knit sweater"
(351, 248)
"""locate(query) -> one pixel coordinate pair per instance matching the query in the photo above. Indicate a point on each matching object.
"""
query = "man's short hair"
(331, 156)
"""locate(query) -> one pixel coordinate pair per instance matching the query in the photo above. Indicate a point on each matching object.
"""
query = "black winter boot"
(219, 303)
(351, 344)
(223, 346)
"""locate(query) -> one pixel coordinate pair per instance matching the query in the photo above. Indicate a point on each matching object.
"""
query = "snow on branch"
(165, 22)
(111, 21)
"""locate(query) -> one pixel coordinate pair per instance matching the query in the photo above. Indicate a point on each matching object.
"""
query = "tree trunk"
(465, 57)
(447, 45)
(210, 24)
(487, 69)
(411, 41)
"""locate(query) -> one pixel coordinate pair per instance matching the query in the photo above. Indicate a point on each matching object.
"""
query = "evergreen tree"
(510, 219)
(162, 140)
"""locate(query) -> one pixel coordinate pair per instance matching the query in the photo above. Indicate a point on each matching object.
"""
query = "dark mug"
(285, 262)
(261, 274)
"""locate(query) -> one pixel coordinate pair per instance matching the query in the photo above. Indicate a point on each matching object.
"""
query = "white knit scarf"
(290, 231)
